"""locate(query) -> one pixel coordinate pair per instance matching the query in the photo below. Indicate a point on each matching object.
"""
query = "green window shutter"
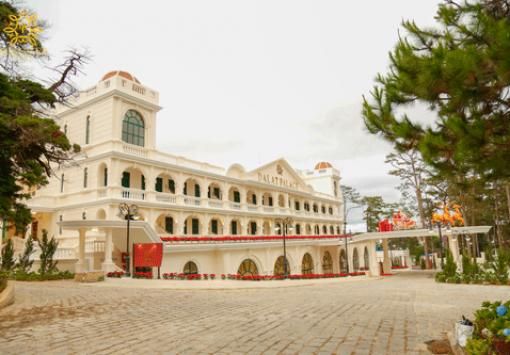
(105, 181)
(270, 201)
(237, 197)
(185, 228)
(126, 177)
(87, 130)
(214, 226)
(233, 227)
(143, 182)
(171, 186)
(159, 184)
(169, 225)
(194, 226)
(185, 189)
(209, 192)
(217, 192)
(254, 199)
(197, 190)
(253, 228)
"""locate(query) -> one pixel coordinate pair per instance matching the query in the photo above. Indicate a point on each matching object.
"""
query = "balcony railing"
(133, 194)
(166, 197)
(194, 201)
(215, 203)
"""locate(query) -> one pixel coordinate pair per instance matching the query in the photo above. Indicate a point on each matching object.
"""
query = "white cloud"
(249, 81)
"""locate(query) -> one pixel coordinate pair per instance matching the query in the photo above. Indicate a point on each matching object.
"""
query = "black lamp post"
(128, 212)
(284, 223)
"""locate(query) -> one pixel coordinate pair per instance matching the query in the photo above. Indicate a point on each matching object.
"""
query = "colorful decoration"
(402, 221)
(399, 221)
(448, 218)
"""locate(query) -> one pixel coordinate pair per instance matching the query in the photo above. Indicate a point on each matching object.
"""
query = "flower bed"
(142, 275)
(181, 276)
(116, 274)
(35, 276)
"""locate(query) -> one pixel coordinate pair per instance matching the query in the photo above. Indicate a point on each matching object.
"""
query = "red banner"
(148, 254)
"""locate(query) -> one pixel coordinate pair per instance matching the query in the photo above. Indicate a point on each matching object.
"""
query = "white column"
(372, 256)
(386, 260)
(453, 244)
(80, 265)
(108, 264)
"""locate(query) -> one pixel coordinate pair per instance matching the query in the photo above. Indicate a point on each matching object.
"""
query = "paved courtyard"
(394, 315)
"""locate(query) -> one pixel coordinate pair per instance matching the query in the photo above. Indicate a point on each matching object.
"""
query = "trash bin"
(463, 331)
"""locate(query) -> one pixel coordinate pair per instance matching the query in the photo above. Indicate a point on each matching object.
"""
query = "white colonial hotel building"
(114, 122)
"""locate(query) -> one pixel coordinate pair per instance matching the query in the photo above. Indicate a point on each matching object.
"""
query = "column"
(453, 244)
(372, 256)
(386, 259)
(108, 264)
(80, 265)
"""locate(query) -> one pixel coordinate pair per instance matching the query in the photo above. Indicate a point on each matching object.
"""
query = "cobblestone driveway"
(394, 315)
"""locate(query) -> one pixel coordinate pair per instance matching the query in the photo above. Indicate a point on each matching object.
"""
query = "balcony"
(215, 203)
(133, 194)
(166, 197)
(193, 201)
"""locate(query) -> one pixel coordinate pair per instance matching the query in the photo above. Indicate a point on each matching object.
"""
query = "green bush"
(35, 276)
(489, 326)
(450, 267)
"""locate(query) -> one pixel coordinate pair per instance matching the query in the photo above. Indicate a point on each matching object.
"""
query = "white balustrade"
(195, 201)
(134, 150)
(235, 205)
(166, 197)
(133, 194)
(253, 208)
(215, 203)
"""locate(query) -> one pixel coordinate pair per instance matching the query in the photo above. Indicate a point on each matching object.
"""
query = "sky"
(249, 81)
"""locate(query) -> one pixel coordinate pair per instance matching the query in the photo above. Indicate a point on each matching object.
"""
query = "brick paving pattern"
(394, 315)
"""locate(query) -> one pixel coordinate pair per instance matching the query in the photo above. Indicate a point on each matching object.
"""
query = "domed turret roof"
(121, 73)
(323, 165)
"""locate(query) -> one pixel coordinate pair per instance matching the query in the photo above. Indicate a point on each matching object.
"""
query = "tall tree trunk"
(421, 212)
(507, 189)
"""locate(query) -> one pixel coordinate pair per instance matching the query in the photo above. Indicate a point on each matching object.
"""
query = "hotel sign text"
(277, 181)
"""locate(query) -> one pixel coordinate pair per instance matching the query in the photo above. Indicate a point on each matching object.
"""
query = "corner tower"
(117, 109)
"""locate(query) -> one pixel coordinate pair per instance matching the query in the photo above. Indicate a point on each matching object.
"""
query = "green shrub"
(35, 276)
(450, 267)
(8, 261)
(478, 346)
(24, 263)
(48, 249)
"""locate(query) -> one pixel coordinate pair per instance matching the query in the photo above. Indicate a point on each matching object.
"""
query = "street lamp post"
(128, 212)
(284, 223)
(442, 244)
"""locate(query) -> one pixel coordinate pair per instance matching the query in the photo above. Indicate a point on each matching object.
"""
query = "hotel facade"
(210, 219)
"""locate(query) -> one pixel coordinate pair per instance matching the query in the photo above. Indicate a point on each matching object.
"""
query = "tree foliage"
(48, 248)
(31, 143)
(8, 260)
(24, 260)
(460, 71)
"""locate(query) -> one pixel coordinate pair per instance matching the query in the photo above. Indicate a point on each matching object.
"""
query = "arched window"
(307, 265)
(190, 268)
(355, 259)
(85, 177)
(133, 128)
(248, 267)
(343, 261)
(366, 259)
(87, 130)
(327, 263)
(279, 267)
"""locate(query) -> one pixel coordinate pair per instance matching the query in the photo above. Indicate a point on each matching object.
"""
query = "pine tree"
(8, 260)
(48, 249)
(450, 267)
(24, 263)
